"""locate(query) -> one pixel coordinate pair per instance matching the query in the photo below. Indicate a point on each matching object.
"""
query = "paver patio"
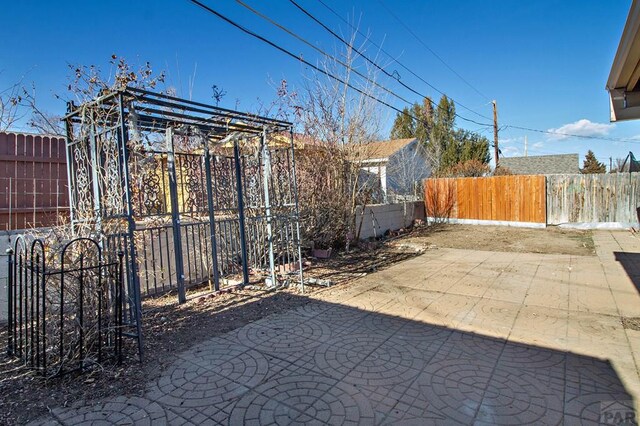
(452, 336)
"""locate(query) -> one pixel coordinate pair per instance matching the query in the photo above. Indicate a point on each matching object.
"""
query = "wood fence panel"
(33, 180)
(500, 198)
(442, 197)
(593, 198)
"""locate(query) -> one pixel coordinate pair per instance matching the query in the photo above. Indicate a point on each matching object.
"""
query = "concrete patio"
(449, 337)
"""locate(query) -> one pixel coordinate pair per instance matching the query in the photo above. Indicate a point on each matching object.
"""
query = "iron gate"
(65, 305)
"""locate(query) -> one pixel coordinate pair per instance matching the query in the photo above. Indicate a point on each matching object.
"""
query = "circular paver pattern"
(455, 387)
(120, 411)
(312, 309)
(215, 375)
(590, 408)
(284, 337)
(341, 316)
(524, 356)
(514, 395)
(388, 364)
(236, 362)
(465, 345)
(302, 399)
(342, 354)
(551, 321)
(256, 409)
(342, 404)
(381, 324)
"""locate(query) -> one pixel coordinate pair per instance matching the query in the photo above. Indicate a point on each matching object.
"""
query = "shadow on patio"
(631, 264)
(326, 363)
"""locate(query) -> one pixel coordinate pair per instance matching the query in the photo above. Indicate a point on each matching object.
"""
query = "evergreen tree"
(591, 164)
(435, 129)
(404, 125)
(473, 147)
(424, 122)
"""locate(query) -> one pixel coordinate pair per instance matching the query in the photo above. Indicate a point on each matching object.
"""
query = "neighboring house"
(398, 165)
(542, 164)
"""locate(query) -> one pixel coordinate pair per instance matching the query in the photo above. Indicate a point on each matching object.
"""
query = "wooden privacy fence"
(551, 199)
(33, 181)
(501, 198)
(593, 198)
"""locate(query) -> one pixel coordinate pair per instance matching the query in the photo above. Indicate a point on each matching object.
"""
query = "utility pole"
(610, 164)
(525, 145)
(495, 132)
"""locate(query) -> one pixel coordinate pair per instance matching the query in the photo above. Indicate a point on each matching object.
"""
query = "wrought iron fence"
(65, 305)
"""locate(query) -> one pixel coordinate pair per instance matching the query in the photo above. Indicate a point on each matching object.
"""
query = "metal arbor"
(191, 193)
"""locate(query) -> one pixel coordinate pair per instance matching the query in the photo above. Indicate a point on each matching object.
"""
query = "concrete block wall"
(377, 219)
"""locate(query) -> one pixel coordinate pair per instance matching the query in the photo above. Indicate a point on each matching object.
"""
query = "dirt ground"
(170, 328)
(551, 240)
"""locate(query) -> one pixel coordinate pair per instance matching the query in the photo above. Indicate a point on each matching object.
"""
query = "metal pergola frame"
(211, 208)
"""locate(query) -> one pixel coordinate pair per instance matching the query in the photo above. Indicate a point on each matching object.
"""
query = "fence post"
(243, 237)
(35, 225)
(69, 160)
(134, 282)
(10, 324)
(297, 210)
(212, 222)
(266, 175)
(118, 307)
(175, 215)
(10, 203)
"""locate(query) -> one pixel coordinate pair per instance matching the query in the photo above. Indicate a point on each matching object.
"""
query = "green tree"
(591, 164)
(404, 126)
(473, 146)
(435, 129)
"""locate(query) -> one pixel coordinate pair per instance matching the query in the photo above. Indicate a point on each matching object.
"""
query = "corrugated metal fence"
(33, 181)
(552, 199)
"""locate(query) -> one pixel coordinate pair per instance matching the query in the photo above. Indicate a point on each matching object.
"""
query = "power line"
(551, 132)
(396, 60)
(296, 36)
(289, 53)
(406, 27)
(312, 17)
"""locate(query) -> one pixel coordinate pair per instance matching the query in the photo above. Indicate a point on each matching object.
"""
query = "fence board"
(593, 198)
(500, 198)
(33, 181)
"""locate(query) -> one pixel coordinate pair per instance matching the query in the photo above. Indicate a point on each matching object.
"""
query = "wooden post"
(495, 132)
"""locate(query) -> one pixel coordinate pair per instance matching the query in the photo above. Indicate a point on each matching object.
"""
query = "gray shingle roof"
(543, 164)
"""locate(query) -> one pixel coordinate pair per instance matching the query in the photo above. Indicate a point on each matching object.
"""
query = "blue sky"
(545, 62)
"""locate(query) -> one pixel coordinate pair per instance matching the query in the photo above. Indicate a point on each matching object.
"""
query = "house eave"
(622, 85)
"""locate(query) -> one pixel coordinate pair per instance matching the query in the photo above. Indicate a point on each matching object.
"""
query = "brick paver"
(450, 337)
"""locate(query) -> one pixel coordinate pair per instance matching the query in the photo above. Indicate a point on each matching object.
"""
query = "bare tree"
(405, 171)
(11, 107)
(337, 122)
(18, 103)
